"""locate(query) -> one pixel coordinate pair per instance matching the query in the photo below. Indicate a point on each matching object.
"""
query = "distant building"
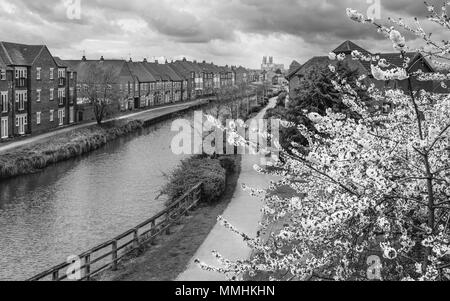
(270, 65)
(417, 62)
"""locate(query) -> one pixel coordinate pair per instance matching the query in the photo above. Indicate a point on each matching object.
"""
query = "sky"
(233, 32)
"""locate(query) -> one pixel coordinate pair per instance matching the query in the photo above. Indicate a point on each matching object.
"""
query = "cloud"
(224, 31)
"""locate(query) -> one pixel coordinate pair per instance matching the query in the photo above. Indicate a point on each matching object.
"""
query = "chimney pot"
(145, 60)
(102, 58)
(83, 58)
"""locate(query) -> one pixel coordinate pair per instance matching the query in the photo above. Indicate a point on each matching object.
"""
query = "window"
(51, 73)
(61, 95)
(51, 115)
(71, 75)
(3, 74)
(4, 101)
(38, 117)
(38, 73)
(61, 73)
(38, 95)
(21, 98)
(21, 72)
(52, 92)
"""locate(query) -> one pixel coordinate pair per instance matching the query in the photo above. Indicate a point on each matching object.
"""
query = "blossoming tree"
(371, 195)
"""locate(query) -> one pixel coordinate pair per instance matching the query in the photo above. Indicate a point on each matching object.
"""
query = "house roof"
(348, 46)
(156, 71)
(324, 61)
(191, 66)
(179, 70)
(60, 62)
(118, 67)
(141, 73)
(20, 54)
(174, 76)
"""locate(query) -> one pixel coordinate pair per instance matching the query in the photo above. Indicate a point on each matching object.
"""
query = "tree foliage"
(372, 189)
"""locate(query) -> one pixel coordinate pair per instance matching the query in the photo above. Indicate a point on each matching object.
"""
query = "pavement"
(144, 115)
(243, 212)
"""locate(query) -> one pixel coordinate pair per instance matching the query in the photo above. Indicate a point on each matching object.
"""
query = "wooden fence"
(109, 254)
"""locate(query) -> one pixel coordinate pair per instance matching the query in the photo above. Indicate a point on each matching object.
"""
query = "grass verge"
(30, 159)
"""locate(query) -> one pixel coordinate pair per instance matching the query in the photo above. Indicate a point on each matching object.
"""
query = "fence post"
(152, 233)
(55, 275)
(87, 268)
(114, 255)
(168, 220)
(135, 239)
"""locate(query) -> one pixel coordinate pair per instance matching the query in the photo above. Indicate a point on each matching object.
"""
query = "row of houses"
(40, 92)
(299, 72)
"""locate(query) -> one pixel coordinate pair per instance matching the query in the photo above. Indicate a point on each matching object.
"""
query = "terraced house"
(34, 88)
(122, 83)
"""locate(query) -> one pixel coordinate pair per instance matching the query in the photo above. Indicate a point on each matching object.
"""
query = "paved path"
(145, 115)
(244, 212)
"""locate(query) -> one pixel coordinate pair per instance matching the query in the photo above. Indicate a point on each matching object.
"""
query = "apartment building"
(35, 86)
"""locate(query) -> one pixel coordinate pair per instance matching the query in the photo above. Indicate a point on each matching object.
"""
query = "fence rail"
(109, 254)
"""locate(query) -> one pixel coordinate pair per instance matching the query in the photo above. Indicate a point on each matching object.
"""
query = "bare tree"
(100, 89)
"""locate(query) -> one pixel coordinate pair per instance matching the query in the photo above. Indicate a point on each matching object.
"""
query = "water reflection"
(72, 206)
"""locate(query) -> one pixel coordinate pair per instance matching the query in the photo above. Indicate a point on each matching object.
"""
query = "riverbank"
(165, 260)
(29, 160)
(33, 157)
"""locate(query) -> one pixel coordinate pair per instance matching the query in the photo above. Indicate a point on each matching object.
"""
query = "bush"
(228, 163)
(193, 171)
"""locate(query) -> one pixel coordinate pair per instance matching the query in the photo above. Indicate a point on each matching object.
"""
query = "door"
(21, 122)
(4, 128)
(61, 116)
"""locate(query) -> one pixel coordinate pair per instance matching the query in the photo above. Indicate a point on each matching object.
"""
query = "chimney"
(145, 60)
(102, 59)
(156, 62)
(184, 59)
(195, 61)
(83, 58)
(166, 62)
(130, 60)
(204, 62)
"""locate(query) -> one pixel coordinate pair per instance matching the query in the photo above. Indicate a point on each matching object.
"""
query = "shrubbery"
(193, 171)
(27, 160)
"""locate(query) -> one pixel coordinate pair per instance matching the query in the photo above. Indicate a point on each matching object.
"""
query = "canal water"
(71, 207)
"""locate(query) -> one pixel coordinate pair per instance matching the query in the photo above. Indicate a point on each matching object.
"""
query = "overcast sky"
(236, 32)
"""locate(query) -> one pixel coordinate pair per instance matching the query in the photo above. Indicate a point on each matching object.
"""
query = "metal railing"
(109, 254)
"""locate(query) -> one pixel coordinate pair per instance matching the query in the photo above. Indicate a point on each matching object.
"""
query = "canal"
(73, 206)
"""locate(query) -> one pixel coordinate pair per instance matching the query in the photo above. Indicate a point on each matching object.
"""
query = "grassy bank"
(29, 159)
(171, 254)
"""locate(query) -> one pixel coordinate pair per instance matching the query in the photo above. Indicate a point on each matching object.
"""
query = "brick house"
(147, 85)
(196, 77)
(7, 123)
(184, 76)
(37, 89)
(417, 61)
(124, 85)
